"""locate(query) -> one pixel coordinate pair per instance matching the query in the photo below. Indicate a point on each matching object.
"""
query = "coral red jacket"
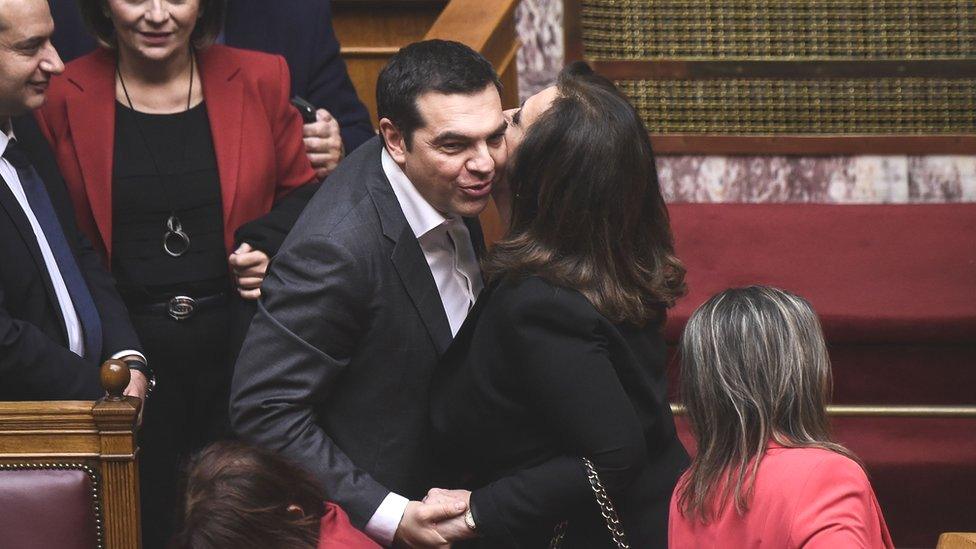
(804, 497)
(257, 135)
(336, 532)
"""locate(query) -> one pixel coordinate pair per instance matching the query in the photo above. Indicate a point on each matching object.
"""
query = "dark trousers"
(193, 362)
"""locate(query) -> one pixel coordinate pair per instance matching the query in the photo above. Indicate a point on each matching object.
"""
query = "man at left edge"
(60, 315)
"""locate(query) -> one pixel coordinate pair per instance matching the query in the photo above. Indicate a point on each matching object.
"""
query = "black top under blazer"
(537, 378)
(336, 367)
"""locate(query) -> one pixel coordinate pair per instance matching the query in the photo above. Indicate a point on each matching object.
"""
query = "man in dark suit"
(368, 290)
(59, 313)
(301, 32)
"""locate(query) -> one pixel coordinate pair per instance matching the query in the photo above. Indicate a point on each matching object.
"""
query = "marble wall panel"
(942, 178)
(539, 24)
(840, 179)
(832, 180)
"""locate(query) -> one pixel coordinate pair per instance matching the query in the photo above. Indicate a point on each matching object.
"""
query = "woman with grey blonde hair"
(756, 379)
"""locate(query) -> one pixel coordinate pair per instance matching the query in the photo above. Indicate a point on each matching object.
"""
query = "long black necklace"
(175, 242)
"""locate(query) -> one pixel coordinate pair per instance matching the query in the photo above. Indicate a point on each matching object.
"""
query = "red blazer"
(336, 532)
(804, 497)
(257, 135)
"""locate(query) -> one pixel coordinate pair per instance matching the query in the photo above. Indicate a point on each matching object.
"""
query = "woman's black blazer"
(536, 379)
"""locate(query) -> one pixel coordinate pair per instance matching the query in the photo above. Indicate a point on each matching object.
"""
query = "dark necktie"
(40, 204)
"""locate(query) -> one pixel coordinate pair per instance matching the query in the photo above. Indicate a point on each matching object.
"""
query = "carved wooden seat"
(68, 476)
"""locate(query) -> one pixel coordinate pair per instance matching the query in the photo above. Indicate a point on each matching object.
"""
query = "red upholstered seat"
(894, 285)
(47, 508)
(875, 274)
(895, 289)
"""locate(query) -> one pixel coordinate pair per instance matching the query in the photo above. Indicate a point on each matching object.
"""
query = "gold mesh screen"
(857, 29)
(828, 106)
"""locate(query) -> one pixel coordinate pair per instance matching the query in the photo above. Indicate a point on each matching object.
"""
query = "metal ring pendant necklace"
(175, 241)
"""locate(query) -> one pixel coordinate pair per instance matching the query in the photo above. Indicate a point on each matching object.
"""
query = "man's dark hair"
(204, 33)
(438, 66)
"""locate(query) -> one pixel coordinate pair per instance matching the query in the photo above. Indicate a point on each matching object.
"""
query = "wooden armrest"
(957, 540)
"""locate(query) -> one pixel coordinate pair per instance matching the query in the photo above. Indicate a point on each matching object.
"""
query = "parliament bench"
(68, 471)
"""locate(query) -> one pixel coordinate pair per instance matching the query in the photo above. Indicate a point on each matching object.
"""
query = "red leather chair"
(48, 505)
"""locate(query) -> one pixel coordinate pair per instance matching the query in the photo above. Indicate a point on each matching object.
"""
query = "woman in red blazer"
(755, 378)
(168, 146)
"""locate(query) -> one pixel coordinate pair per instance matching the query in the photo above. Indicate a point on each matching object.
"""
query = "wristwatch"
(144, 368)
(469, 520)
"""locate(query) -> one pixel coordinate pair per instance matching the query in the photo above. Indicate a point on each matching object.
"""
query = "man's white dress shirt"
(447, 248)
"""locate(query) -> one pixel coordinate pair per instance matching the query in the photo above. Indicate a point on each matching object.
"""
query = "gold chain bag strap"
(606, 509)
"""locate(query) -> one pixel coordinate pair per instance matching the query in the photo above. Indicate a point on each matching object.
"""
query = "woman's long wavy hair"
(754, 369)
(587, 210)
(238, 496)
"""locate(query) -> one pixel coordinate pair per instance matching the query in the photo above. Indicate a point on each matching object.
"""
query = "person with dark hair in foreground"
(368, 290)
(755, 378)
(242, 497)
(168, 145)
(558, 377)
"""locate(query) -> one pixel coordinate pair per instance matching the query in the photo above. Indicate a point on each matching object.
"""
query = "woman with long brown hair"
(555, 386)
(756, 379)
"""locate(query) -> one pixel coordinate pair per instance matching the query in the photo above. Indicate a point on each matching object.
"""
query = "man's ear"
(396, 144)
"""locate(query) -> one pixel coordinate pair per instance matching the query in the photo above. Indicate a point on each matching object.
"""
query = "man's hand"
(453, 529)
(249, 267)
(323, 143)
(417, 528)
(138, 384)
(137, 387)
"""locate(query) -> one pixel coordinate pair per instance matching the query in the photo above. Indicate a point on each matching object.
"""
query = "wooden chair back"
(68, 470)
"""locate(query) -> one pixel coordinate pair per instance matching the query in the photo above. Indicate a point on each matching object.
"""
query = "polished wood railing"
(96, 437)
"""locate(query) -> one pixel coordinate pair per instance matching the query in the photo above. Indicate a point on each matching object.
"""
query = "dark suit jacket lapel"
(477, 236)
(463, 338)
(408, 257)
(223, 90)
(42, 158)
(9, 203)
(91, 117)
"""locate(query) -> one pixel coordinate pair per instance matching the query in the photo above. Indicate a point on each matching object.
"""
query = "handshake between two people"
(436, 522)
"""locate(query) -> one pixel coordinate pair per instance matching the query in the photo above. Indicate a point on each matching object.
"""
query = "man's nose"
(481, 161)
(51, 63)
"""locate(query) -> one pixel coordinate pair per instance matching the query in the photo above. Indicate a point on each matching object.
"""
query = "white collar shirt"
(446, 244)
